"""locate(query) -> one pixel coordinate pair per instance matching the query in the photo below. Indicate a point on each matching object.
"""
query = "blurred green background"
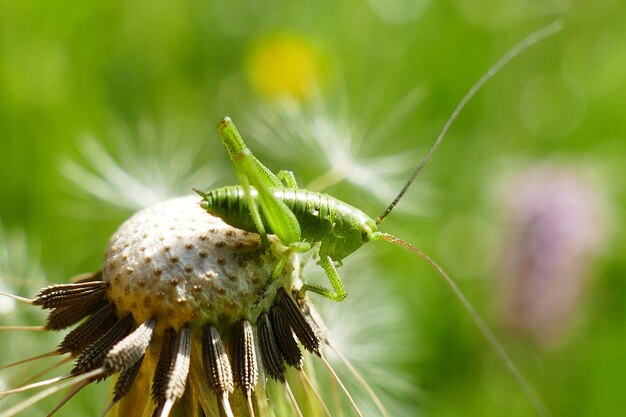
(148, 79)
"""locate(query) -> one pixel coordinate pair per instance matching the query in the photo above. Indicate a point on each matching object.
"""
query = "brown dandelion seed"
(161, 374)
(88, 332)
(129, 350)
(65, 294)
(216, 364)
(179, 370)
(270, 355)
(285, 341)
(299, 323)
(245, 371)
(93, 357)
(125, 381)
(63, 317)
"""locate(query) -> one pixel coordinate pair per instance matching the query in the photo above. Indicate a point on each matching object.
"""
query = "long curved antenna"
(532, 396)
(520, 47)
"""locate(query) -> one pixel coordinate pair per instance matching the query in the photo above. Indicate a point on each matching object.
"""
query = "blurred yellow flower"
(284, 66)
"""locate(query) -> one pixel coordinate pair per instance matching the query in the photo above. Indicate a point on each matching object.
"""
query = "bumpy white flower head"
(175, 263)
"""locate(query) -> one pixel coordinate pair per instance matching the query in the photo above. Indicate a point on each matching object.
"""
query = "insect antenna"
(530, 394)
(517, 49)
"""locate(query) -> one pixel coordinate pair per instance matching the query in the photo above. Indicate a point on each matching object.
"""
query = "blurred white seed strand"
(152, 168)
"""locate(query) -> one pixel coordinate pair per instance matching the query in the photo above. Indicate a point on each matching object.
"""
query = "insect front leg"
(338, 293)
(288, 179)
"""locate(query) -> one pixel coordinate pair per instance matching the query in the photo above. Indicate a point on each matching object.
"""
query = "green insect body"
(339, 227)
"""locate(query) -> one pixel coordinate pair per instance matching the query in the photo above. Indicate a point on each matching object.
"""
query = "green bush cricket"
(268, 203)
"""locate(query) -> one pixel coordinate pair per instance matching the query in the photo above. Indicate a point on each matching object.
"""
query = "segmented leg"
(288, 179)
(331, 272)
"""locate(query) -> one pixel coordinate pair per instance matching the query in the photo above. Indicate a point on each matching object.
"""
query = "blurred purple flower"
(554, 228)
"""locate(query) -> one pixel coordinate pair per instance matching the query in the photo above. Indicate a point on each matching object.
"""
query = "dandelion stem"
(343, 387)
(36, 398)
(108, 409)
(34, 358)
(17, 298)
(361, 380)
(69, 396)
(25, 328)
(37, 384)
(292, 399)
(317, 395)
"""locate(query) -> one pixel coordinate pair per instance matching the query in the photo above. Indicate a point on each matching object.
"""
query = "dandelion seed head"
(176, 263)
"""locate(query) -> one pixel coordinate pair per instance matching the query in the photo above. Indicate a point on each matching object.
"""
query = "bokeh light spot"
(596, 63)
(399, 11)
(551, 108)
(284, 66)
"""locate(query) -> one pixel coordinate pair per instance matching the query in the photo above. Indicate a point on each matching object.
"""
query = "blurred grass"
(69, 69)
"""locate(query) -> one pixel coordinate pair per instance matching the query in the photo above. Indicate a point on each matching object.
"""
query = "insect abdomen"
(228, 204)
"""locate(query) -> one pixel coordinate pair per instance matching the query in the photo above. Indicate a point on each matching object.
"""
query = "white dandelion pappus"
(153, 165)
(317, 135)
